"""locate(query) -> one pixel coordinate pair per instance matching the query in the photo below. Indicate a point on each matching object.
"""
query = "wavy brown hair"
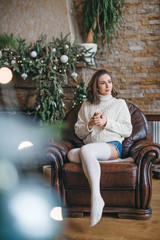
(92, 89)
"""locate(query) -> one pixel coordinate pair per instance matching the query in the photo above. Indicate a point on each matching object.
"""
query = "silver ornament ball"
(33, 54)
(13, 62)
(24, 76)
(53, 50)
(64, 59)
(66, 46)
(74, 75)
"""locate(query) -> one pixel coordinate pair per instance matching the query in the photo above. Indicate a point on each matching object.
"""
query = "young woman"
(103, 123)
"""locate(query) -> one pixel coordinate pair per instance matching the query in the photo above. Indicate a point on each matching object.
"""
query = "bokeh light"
(5, 75)
(56, 214)
(27, 210)
(25, 144)
(30, 210)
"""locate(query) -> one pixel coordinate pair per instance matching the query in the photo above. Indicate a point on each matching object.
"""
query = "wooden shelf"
(81, 64)
(153, 117)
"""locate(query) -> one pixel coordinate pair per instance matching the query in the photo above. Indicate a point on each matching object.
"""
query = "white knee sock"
(73, 155)
(90, 154)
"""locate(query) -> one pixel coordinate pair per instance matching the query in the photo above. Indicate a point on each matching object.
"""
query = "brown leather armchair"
(126, 187)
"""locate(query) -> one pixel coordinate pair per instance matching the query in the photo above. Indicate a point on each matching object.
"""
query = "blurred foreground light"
(5, 75)
(31, 209)
(25, 144)
(56, 214)
(8, 175)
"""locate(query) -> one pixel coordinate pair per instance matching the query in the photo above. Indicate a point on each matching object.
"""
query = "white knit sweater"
(118, 120)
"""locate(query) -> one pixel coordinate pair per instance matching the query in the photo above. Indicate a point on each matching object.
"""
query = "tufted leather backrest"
(139, 123)
(139, 131)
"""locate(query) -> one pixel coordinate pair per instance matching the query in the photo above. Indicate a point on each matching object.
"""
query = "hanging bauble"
(0, 54)
(64, 59)
(60, 90)
(54, 68)
(53, 50)
(24, 76)
(74, 75)
(33, 54)
(13, 62)
(66, 46)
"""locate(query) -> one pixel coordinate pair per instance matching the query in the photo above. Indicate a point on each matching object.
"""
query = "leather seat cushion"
(113, 175)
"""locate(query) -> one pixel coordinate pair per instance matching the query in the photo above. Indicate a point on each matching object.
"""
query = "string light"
(5, 75)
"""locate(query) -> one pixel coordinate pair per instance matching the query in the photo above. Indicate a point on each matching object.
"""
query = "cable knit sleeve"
(81, 126)
(122, 124)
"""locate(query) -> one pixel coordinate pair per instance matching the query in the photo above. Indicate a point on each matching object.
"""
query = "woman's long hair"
(92, 89)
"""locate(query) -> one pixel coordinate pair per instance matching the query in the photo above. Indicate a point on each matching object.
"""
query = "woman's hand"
(97, 120)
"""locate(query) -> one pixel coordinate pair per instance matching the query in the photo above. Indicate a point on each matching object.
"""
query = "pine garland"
(80, 94)
(50, 64)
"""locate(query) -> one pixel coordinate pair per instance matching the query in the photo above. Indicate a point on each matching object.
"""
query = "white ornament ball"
(33, 54)
(64, 59)
(53, 49)
(66, 46)
(24, 76)
(13, 62)
(74, 75)
(54, 68)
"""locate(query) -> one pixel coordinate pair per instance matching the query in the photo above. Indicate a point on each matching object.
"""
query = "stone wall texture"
(133, 60)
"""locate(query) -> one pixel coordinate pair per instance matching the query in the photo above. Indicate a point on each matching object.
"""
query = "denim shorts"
(117, 145)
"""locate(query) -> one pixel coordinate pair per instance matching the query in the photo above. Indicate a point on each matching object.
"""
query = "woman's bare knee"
(114, 153)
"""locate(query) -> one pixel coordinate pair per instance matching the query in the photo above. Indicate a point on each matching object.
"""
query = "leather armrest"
(147, 146)
(57, 151)
(144, 153)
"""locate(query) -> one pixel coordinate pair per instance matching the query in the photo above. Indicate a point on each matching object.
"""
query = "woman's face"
(105, 84)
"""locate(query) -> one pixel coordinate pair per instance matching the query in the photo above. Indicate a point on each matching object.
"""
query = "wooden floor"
(112, 228)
